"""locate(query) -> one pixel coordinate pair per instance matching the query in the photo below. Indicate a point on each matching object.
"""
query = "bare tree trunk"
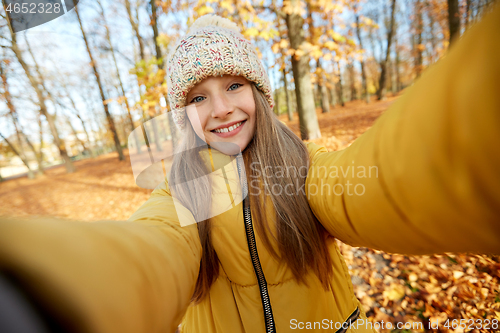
(309, 127)
(15, 121)
(86, 134)
(12, 113)
(37, 156)
(288, 99)
(340, 86)
(372, 44)
(43, 107)
(380, 38)
(109, 118)
(382, 82)
(134, 22)
(433, 38)
(394, 77)
(135, 27)
(352, 80)
(325, 103)
(84, 126)
(276, 102)
(122, 90)
(154, 22)
(331, 93)
(283, 70)
(21, 156)
(75, 133)
(156, 135)
(37, 68)
(276, 96)
(467, 13)
(418, 42)
(362, 62)
(453, 20)
(40, 138)
(313, 40)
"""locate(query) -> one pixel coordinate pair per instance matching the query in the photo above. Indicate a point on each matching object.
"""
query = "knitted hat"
(213, 46)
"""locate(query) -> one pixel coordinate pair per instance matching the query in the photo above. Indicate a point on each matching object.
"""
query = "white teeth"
(228, 129)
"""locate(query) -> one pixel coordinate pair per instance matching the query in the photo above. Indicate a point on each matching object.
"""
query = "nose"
(222, 106)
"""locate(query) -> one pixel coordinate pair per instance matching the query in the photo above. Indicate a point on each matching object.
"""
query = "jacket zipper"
(252, 247)
(353, 317)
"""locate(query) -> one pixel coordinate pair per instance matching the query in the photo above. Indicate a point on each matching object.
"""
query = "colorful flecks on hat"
(213, 46)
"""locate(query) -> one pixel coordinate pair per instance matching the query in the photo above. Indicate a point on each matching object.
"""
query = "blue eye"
(235, 84)
(196, 100)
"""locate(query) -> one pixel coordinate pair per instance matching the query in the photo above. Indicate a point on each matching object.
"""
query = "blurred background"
(73, 89)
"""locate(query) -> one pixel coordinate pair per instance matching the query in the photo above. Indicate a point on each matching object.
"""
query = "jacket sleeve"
(135, 276)
(425, 178)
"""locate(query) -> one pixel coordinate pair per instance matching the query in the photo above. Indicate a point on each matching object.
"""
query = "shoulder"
(314, 150)
(162, 189)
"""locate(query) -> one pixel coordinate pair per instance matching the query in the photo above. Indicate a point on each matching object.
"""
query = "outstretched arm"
(431, 161)
(135, 276)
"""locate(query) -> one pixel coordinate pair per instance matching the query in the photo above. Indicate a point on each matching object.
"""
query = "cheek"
(196, 121)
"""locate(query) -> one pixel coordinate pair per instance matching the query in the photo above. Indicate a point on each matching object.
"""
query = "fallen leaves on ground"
(102, 188)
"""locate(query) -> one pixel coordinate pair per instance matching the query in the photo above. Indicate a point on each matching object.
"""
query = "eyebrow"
(190, 94)
(238, 78)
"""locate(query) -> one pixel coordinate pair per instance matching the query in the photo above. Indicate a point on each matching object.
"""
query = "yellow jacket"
(437, 188)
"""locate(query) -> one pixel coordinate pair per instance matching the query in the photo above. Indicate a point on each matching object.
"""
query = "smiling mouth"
(229, 129)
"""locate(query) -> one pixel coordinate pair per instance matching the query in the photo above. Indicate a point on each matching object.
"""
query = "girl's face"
(222, 109)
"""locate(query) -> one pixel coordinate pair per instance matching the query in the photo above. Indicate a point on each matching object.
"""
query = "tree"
(276, 96)
(15, 121)
(397, 64)
(281, 44)
(135, 27)
(38, 154)
(288, 99)
(352, 80)
(21, 156)
(74, 111)
(41, 104)
(325, 102)
(173, 129)
(453, 20)
(122, 89)
(362, 62)
(382, 81)
(417, 38)
(109, 118)
(309, 127)
(340, 86)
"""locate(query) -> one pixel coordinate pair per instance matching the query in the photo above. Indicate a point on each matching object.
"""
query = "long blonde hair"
(300, 237)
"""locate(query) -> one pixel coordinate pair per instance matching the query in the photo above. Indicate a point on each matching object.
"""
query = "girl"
(270, 263)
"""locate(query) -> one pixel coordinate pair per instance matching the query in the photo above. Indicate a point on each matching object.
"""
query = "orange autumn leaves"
(425, 289)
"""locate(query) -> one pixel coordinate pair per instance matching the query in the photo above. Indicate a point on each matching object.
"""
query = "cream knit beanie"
(213, 46)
